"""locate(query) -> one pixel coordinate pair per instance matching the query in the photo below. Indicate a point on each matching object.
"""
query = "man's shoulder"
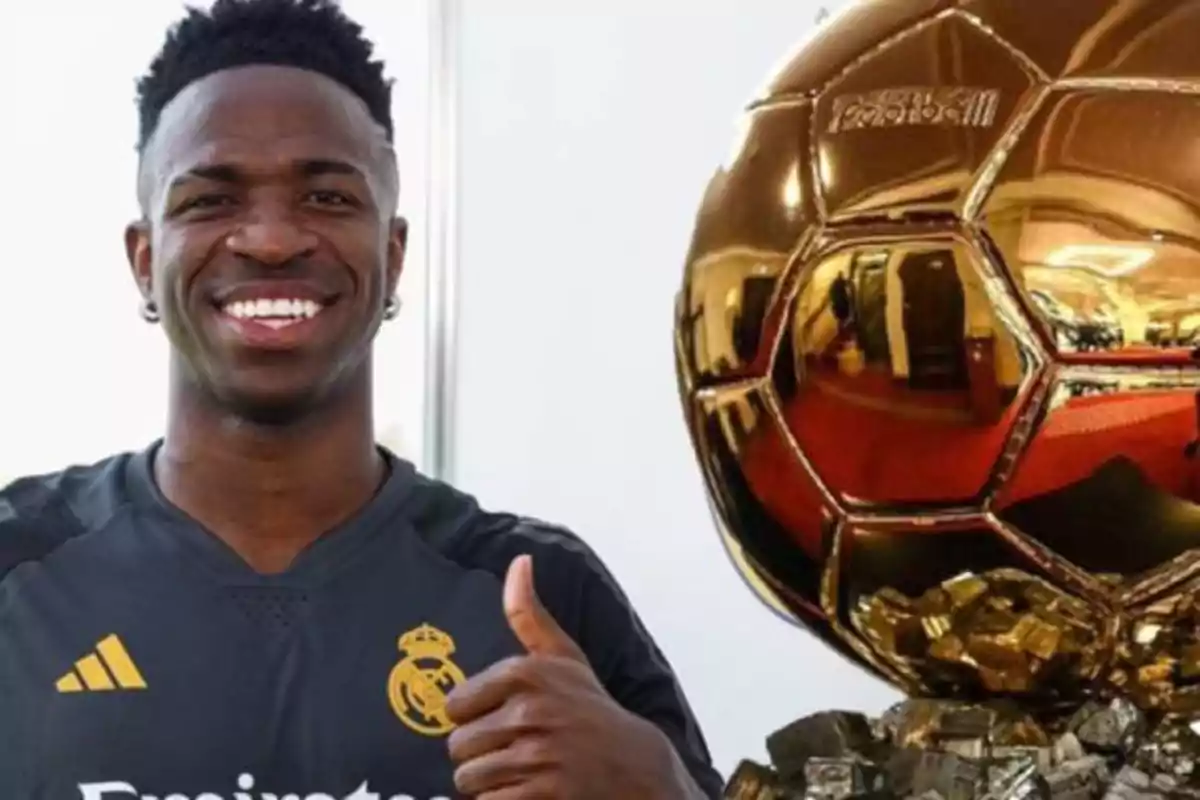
(460, 529)
(41, 512)
(570, 577)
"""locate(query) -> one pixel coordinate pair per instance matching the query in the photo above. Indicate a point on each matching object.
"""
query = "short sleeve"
(636, 673)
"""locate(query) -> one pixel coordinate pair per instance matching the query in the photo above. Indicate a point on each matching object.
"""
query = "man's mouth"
(274, 315)
(273, 312)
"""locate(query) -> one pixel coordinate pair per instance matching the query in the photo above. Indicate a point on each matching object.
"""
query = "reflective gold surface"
(755, 211)
(951, 93)
(938, 343)
(1101, 239)
(894, 354)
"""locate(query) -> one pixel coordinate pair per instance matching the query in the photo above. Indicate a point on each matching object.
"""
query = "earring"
(149, 311)
(391, 308)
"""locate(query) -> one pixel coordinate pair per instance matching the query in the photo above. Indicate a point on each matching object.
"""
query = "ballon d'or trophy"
(938, 343)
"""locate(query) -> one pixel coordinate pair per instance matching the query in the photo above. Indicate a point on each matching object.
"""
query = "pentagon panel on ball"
(938, 350)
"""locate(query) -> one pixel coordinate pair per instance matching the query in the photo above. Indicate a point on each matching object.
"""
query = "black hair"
(308, 34)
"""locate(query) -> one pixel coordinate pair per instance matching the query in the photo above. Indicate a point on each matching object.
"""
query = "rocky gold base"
(949, 750)
(1008, 632)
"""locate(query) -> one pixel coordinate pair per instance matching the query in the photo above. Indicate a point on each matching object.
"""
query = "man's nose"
(272, 236)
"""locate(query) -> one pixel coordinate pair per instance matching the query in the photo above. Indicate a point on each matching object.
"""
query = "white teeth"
(279, 309)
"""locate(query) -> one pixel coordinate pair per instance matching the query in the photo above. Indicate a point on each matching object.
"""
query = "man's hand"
(542, 726)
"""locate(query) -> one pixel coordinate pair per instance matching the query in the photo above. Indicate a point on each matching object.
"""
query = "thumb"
(535, 627)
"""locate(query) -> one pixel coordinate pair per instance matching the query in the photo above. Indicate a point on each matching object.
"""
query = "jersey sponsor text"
(121, 790)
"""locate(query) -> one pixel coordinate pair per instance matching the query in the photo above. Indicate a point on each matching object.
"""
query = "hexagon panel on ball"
(907, 129)
(755, 213)
(775, 521)
(1099, 236)
(902, 368)
(1110, 481)
(1098, 39)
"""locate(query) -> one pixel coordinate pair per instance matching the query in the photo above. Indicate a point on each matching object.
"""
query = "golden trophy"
(938, 346)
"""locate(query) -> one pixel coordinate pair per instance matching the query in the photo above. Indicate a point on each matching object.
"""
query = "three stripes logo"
(107, 668)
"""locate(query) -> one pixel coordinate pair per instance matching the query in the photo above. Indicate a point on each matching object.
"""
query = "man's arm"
(635, 672)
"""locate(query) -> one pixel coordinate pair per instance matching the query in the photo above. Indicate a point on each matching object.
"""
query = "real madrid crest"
(419, 684)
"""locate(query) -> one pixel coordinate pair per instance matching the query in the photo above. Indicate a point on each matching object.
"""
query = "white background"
(587, 131)
(83, 376)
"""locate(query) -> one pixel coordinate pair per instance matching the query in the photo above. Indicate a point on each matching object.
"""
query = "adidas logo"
(107, 668)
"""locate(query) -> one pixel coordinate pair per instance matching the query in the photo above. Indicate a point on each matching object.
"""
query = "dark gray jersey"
(141, 658)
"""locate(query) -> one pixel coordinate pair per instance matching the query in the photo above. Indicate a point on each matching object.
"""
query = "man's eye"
(327, 197)
(204, 201)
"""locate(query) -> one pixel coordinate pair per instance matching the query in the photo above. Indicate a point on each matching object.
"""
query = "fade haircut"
(314, 35)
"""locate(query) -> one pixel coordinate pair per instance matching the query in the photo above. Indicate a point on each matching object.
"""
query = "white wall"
(83, 376)
(587, 132)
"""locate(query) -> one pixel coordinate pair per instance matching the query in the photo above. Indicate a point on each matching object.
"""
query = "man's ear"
(397, 246)
(137, 251)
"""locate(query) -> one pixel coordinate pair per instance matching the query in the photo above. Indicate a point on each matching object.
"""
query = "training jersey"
(140, 658)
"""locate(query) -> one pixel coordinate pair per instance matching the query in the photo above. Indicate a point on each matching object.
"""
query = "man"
(266, 604)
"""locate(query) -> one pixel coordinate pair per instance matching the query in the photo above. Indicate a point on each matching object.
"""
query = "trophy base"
(950, 750)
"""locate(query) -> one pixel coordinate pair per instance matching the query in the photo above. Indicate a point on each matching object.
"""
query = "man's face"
(269, 244)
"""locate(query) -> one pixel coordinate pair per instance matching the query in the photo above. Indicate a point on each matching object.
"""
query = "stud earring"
(391, 308)
(149, 311)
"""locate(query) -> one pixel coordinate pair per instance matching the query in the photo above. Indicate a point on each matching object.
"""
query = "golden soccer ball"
(938, 345)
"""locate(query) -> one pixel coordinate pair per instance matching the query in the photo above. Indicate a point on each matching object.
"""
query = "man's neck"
(269, 492)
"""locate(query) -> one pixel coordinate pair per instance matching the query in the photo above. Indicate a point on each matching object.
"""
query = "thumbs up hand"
(536, 629)
(541, 725)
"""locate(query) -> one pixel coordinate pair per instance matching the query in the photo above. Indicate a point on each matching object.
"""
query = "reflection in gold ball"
(938, 345)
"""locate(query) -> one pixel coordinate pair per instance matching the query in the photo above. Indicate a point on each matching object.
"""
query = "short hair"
(314, 35)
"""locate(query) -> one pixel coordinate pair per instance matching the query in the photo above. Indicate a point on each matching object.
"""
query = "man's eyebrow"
(311, 168)
(230, 173)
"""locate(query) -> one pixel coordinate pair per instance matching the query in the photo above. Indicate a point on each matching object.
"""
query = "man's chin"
(274, 392)
(273, 412)
(273, 406)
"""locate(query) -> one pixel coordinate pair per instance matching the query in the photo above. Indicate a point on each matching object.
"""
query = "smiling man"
(266, 603)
